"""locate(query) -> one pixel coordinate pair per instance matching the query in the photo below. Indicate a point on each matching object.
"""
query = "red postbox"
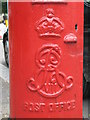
(46, 59)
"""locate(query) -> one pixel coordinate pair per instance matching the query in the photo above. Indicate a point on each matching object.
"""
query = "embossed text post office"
(46, 59)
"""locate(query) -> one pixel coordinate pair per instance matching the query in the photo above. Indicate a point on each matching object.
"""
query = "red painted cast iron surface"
(46, 59)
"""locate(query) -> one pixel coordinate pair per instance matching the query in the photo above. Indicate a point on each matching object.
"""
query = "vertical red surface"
(46, 60)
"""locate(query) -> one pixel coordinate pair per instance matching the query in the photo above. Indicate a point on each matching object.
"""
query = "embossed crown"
(49, 25)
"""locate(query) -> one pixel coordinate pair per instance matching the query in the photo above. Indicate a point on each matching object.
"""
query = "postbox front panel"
(46, 59)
